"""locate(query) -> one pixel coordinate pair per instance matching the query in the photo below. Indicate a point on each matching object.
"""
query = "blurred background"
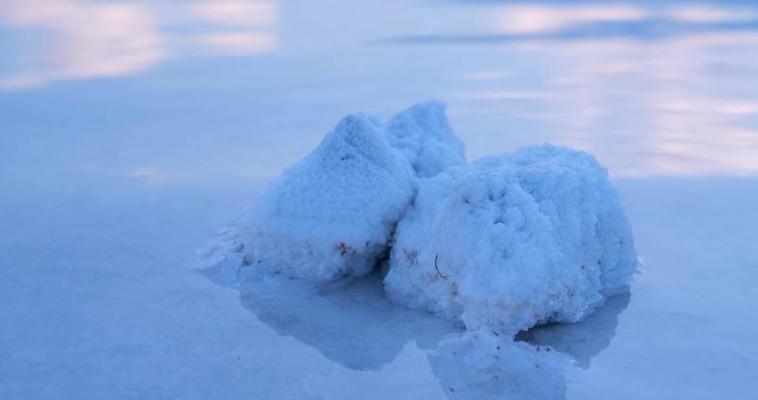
(166, 91)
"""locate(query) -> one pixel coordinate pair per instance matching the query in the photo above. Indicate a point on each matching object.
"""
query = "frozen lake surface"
(129, 134)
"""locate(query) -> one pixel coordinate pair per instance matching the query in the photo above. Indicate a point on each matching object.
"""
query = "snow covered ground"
(122, 154)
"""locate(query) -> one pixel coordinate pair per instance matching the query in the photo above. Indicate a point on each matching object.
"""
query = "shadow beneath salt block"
(351, 323)
(584, 339)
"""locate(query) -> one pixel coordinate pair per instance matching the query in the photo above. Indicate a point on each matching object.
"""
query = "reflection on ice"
(481, 365)
(352, 324)
(529, 18)
(408, 376)
(703, 13)
(644, 107)
(244, 13)
(237, 43)
(651, 89)
(584, 339)
(88, 40)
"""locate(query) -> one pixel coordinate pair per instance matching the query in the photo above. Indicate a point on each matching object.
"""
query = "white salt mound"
(424, 136)
(507, 242)
(333, 213)
(514, 241)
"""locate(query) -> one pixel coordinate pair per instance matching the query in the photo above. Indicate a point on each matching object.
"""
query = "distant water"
(170, 91)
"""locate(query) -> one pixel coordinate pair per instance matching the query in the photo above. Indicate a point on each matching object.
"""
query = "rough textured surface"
(423, 134)
(513, 241)
(507, 242)
(332, 214)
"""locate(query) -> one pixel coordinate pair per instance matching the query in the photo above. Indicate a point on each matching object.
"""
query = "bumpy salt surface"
(332, 214)
(513, 241)
(506, 242)
(423, 134)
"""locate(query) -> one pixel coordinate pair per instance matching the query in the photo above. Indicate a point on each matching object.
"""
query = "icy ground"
(99, 299)
(122, 153)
